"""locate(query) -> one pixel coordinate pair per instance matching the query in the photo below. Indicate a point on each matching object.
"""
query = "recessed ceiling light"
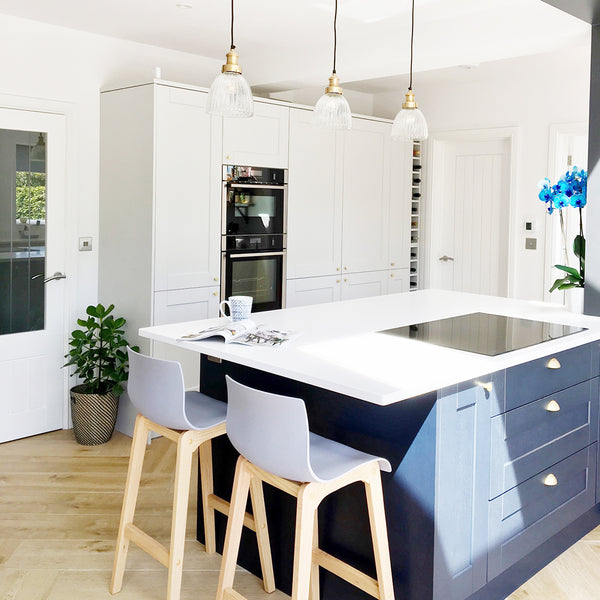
(183, 5)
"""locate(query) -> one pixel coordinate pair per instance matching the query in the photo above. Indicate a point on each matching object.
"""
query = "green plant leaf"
(579, 246)
(569, 270)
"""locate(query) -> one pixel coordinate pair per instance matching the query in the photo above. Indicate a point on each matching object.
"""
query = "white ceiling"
(287, 44)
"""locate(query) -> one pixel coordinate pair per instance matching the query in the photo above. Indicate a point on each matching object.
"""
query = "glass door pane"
(22, 230)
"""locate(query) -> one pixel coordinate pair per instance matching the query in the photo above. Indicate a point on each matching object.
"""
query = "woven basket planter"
(94, 416)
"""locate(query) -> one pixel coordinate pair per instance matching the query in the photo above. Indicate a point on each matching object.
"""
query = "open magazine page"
(228, 331)
(262, 336)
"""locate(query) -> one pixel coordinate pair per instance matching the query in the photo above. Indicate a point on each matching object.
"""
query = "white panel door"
(314, 200)
(188, 191)
(177, 306)
(364, 285)
(469, 237)
(32, 249)
(312, 290)
(366, 187)
(261, 140)
(397, 281)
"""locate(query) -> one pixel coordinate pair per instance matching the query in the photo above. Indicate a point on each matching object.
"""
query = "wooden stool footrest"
(154, 548)
(222, 506)
(231, 594)
(347, 572)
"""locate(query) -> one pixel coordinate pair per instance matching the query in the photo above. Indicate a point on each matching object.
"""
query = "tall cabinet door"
(400, 205)
(314, 200)
(187, 190)
(366, 189)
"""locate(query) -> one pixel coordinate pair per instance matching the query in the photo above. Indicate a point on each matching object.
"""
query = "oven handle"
(258, 254)
(259, 186)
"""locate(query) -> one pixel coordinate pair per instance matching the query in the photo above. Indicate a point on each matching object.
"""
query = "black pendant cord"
(335, 35)
(412, 39)
(232, 44)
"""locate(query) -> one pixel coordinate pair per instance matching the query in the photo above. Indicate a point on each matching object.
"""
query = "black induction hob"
(484, 333)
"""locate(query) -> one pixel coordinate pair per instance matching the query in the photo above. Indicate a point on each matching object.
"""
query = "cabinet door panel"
(366, 187)
(314, 202)
(397, 282)
(187, 203)
(261, 140)
(364, 285)
(313, 290)
(184, 305)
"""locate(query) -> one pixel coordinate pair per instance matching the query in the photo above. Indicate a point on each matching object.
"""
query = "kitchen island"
(490, 479)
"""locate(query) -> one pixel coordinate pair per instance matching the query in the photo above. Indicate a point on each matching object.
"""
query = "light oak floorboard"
(60, 505)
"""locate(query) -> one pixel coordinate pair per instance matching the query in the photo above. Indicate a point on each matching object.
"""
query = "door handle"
(446, 258)
(57, 275)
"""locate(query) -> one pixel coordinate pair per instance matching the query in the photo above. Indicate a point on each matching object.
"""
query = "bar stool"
(271, 434)
(190, 420)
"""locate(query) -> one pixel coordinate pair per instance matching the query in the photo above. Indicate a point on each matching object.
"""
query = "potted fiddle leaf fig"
(99, 354)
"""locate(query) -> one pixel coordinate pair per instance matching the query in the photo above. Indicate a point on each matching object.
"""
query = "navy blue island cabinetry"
(492, 478)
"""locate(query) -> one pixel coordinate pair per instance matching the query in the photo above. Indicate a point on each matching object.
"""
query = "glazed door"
(32, 286)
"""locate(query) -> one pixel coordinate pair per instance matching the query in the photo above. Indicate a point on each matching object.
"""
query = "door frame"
(69, 111)
(436, 155)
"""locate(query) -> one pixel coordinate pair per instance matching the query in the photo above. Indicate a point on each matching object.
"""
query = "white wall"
(530, 93)
(58, 68)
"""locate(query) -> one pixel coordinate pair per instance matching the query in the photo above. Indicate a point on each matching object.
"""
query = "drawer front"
(526, 516)
(524, 441)
(537, 378)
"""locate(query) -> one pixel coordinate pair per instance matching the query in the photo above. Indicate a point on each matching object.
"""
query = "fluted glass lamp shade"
(230, 95)
(332, 110)
(410, 123)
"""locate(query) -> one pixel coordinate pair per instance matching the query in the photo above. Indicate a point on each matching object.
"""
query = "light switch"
(85, 244)
(530, 243)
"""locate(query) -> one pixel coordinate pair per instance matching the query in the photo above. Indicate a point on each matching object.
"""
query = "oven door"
(253, 209)
(257, 274)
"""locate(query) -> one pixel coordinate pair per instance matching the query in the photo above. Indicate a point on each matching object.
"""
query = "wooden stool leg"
(315, 591)
(185, 449)
(262, 534)
(381, 548)
(235, 523)
(303, 546)
(206, 482)
(132, 485)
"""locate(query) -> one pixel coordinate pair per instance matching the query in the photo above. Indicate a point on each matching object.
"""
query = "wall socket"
(530, 243)
(85, 244)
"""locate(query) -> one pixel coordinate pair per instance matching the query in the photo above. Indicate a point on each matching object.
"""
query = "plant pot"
(93, 415)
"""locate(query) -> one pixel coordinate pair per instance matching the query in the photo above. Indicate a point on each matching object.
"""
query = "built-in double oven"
(253, 241)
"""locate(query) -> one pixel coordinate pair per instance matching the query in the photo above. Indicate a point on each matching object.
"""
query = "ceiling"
(287, 44)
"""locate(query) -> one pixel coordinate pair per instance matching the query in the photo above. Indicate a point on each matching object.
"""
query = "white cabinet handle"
(550, 480)
(553, 406)
(553, 363)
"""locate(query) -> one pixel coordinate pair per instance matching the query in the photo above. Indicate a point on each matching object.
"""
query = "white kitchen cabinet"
(160, 199)
(313, 290)
(397, 281)
(314, 199)
(363, 285)
(400, 220)
(366, 193)
(176, 306)
(258, 141)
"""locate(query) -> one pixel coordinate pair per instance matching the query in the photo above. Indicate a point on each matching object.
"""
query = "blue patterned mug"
(239, 307)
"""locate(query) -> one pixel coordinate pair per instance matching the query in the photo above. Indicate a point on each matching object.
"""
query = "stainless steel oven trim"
(256, 186)
(257, 254)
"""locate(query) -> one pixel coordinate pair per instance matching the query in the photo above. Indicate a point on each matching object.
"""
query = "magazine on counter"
(245, 332)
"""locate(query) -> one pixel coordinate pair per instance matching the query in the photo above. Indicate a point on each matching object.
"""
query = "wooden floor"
(59, 512)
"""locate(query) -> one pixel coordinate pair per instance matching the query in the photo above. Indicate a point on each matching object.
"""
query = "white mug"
(239, 307)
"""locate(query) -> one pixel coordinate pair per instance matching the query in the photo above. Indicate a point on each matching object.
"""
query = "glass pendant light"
(410, 124)
(332, 111)
(230, 95)
(38, 152)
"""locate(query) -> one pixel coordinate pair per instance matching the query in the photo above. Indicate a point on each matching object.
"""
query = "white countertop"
(339, 348)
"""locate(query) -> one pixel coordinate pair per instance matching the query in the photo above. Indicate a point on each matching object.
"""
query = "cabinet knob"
(392, 264)
(215, 279)
(345, 279)
(487, 386)
(337, 280)
(553, 363)
(553, 406)
(215, 293)
(550, 480)
(337, 268)
(391, 274)
(345, 268)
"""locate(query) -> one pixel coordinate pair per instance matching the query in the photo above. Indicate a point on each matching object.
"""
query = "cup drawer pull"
(553, 363)
(553, 406)
(550, 480)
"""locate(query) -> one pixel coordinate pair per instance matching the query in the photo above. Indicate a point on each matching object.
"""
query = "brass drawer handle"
(488, 387)
(553, 406)
(550, 480)
(553, 363)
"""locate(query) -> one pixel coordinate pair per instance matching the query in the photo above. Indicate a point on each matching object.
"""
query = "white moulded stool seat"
(271, 434)
(190, 420)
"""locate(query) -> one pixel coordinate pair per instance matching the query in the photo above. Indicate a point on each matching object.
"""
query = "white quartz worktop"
(339, 348)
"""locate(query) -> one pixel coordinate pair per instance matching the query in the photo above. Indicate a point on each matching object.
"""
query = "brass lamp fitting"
(410, 101)
(334, 85)
(232, 63)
